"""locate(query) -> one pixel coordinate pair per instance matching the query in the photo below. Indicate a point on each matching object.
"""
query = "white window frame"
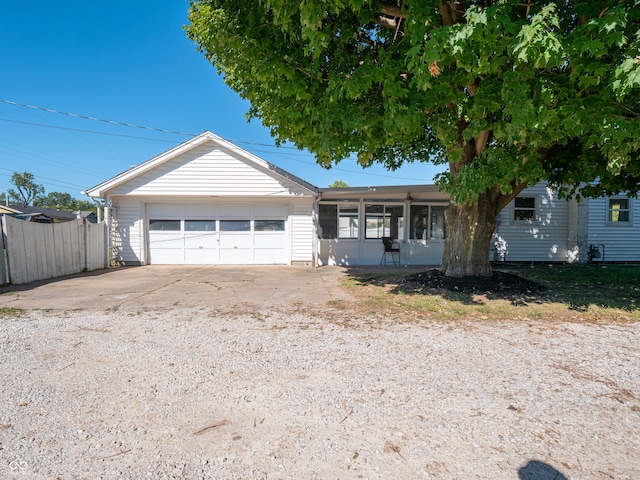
(534, 209)
(609, 213)
(430, 234)
(386, 230)
(339, 207)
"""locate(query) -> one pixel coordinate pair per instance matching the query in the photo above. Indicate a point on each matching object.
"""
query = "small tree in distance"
(338, 184)
(27, 190)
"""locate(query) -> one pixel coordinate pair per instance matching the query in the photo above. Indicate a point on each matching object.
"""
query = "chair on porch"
(391, 247)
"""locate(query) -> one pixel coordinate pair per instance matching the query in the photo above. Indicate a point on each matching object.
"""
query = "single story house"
(207, 201)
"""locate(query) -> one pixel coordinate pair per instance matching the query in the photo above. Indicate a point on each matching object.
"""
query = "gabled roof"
(100, 190)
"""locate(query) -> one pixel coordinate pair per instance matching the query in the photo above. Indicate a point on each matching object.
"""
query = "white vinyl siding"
(126, 230)
(621, 241)
(302, 230)
(544, 239)
(206, 171)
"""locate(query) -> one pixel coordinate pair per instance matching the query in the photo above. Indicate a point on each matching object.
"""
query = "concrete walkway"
(166, 286)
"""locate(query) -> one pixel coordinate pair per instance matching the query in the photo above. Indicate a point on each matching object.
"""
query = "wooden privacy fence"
(38, 251)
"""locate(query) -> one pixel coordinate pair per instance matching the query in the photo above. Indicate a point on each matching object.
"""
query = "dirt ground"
(311, 392)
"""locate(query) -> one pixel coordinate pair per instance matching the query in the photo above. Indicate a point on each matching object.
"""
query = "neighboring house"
(37, 214)
(208, 201)
(88, 215)
(537, 226)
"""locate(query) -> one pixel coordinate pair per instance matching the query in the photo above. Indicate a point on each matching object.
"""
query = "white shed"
(208, 201)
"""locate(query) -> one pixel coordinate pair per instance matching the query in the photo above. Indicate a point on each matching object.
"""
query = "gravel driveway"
(312, 393)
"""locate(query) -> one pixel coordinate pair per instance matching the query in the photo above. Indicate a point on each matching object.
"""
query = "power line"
(84, 131)
(52, 180)
(115, 122)
(174, 132)
(95, 119)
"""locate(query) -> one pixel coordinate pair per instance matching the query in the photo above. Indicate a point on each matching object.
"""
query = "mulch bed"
(499, 284)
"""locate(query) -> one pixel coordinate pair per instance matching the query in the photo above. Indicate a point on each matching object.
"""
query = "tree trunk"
(469, 232)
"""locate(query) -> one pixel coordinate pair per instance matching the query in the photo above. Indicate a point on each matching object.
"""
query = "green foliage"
(338, 184)
(10, 312)
(63, 201)
(26, 191)
(553, 86)
(31, 193)
(57, 200)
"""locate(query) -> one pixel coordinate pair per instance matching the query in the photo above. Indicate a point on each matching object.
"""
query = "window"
(269, 225)
(618, 210)
(338, 221)
(199, 225)
(384, 221)
(347, 222)
(235, 226)
(524, 209)
(427, 222)
(164, 225)
(328, 220)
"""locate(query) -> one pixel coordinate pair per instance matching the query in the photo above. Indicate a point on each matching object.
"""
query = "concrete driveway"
(165, 286)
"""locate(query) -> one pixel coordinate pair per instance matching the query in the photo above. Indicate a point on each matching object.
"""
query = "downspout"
(99, 205)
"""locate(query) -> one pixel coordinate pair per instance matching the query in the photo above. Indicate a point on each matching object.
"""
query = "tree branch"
(392, 11)
(451, 12)
(481, 141)
(386, 22)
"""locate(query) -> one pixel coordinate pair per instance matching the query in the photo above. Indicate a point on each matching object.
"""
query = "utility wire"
(95, 119)
(84, 131)
(114, 122)
(57, 182)
(174, 132)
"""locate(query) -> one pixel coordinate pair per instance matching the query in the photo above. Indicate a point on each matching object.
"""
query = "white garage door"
(224, 234)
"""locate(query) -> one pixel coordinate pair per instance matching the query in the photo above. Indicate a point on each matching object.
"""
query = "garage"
(217, 234)
(208, 202)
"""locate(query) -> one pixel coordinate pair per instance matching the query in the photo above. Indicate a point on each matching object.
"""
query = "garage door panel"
(166, 240)
(236, 240)
(201, 256)
(200, 211)
(168, 256)
(164, 210)
(269, 256)
(271, 211)
(201, 240)
(269, 240)
(239, 211)
(236, 256)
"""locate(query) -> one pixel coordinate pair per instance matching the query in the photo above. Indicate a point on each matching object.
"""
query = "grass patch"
(8, 312)
(574, 293)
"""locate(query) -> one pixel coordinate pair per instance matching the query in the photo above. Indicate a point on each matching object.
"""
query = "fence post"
(4, 261)
(86, 245)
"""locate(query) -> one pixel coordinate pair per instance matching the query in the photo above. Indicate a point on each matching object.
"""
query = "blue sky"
(129, 62)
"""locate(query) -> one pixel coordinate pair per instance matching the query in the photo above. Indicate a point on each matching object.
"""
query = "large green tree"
(27, 189)
(504, 92)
